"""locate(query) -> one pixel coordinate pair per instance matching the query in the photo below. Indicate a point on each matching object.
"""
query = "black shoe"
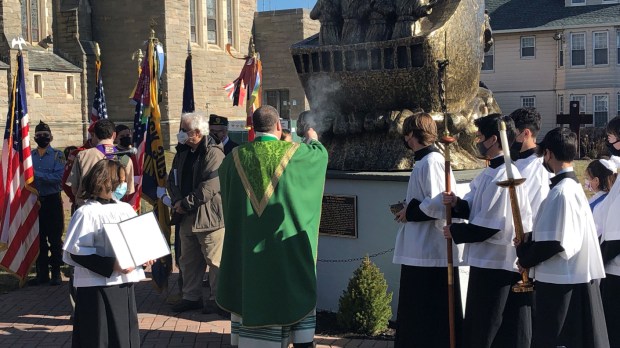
(186, 305)
(56, 280)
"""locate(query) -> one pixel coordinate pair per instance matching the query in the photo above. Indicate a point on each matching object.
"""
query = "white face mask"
(588, 185)
(182, 137)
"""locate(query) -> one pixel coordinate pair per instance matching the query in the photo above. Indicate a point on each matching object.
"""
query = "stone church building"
(60, 57)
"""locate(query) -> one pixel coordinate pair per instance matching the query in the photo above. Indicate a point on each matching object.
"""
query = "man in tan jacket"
(104, 134)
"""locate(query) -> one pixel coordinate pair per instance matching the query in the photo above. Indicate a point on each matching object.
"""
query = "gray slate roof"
(548, 14)
(42, 60)
(4, 66)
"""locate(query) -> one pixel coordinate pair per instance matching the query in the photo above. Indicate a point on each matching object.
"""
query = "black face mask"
(515, 149)
(43, 142)
(125, 141)
(406, 143)
(546, 165)
(482, 150)
(612, 150)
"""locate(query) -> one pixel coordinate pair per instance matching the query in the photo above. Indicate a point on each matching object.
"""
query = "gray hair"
(198, 121)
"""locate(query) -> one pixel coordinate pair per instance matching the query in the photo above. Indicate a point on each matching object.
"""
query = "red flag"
(19, 207)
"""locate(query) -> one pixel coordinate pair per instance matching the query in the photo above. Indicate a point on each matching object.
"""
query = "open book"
(137, 240)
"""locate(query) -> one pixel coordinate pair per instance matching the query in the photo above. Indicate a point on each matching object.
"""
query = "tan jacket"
(84, 161)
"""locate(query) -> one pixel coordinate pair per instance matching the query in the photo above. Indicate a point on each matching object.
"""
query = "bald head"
(266, 119)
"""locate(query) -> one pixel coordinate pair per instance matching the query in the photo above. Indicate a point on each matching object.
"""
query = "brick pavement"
(39, 317)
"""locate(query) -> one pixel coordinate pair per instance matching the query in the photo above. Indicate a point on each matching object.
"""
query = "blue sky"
(267, 5)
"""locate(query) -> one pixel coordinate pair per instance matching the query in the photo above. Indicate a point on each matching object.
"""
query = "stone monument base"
(375, 231)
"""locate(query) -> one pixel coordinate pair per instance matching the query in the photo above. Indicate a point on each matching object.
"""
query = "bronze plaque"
(339, 216)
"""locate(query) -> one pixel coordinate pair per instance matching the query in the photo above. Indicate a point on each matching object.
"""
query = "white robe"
(85, 236)
(423, 243)
(607, 218)
(490, 207)
(565, 216)
(536, 180)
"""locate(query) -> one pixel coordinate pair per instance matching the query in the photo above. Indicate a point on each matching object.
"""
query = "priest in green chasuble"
(271, 193)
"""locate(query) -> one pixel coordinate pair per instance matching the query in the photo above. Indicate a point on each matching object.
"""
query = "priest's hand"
(148, 263)
(446, 232)
(117, 268)
(449, 198)
(311, 134)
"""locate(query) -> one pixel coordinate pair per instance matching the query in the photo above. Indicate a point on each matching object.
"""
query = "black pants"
(51, 225)
(494, 315)
(610, 290)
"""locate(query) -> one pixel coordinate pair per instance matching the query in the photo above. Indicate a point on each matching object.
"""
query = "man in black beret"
(218, 128)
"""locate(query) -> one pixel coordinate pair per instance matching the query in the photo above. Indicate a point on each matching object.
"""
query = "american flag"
(19, 214)
(100, 109)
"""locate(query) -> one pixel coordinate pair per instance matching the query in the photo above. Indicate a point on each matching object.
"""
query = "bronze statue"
(353, 14)
(327, 12)
(381, 20)
(409, 12)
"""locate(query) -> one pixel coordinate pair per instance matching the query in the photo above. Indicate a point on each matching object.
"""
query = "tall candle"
(506, 149)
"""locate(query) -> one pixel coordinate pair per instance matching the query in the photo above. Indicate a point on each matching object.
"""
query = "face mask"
(546, 165)
(406, 144)
(612, 150)
(515, 149)
(125, 141)
(588, 185)
(482, 150)
(42, 141)
(120, 191)
(182, 137)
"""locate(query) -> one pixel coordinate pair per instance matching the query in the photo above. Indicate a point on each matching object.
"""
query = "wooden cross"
(575, 120)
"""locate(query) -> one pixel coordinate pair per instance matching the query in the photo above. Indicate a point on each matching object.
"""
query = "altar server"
(494, 315)
(564, 256)
(422, 319)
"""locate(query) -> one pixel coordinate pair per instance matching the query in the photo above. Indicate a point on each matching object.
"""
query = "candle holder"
(524, 285)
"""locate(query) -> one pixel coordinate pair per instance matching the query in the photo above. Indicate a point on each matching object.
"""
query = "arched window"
(31, 20)
(212, 22)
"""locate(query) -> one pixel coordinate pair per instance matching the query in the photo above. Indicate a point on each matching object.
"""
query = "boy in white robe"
(565, 256)
(494, 315)
(523, 152)
(422, 319)
(607, 218)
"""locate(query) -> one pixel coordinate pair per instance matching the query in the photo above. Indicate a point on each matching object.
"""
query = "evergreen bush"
(365, 307)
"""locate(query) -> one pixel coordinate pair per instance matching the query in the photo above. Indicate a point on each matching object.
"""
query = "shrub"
(593, 142)
(365, 306)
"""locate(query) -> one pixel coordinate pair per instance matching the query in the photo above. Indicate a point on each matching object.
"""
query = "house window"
(578, 2)
(488, 59)
(279, 99)
(528, 102)
(38, 86)
(193, 21)
(70, 87)
(618, 46)
(581, 98)
(31, 20)
(230, 24)
(600, 48)
(618, 104)
(212, 21)
(528, 46)
(560, 104)
(560, 53)
(578, 49)
(601, 108)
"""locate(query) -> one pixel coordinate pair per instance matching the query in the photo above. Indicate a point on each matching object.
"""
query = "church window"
(212, 21)
(31, 20)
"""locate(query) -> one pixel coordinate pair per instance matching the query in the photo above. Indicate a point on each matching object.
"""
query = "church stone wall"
(276, 31)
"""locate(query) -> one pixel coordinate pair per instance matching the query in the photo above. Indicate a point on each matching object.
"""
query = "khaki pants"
(199, 250)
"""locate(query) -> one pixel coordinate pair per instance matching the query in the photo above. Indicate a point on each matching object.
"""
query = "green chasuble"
(271, 194)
